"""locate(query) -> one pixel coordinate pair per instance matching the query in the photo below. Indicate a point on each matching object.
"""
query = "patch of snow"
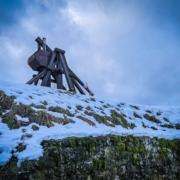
(30, 94)
(19, 118)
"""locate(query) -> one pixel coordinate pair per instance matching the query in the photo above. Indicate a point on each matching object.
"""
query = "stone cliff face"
(104, 157)
(112, 156)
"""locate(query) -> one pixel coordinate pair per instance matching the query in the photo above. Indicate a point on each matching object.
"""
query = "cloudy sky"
(126, 50)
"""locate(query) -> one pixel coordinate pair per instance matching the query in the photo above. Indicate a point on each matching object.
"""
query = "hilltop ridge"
(30, 114)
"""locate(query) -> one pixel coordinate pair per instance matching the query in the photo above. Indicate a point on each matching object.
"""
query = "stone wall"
(105, 157)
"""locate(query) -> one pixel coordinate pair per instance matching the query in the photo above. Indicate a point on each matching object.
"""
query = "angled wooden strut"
(51, 65)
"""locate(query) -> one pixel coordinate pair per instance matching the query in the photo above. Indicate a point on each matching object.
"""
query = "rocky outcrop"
(104, 157)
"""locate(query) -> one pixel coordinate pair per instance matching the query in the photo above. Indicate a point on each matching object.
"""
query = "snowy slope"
(83, 111)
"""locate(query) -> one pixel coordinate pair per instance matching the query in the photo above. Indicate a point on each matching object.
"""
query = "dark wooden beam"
(37, 77)
(59, 74)
(40, 42)
(65, 68)
(74, 75)
(54, 74)
(59, 50)
(77, 86)
(46, 81)
(36, 82)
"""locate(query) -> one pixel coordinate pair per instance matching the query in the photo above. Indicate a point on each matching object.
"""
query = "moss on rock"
(136, 115)
(103, 157)
(152, 118)
(61, 110)
(115, 119)
(6, 102)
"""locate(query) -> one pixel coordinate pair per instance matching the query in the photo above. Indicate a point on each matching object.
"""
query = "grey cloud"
(125, 50)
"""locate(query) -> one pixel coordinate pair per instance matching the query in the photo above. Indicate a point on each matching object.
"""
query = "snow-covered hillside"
(72, 115)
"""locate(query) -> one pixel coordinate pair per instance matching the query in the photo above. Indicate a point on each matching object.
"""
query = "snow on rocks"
(72, 115)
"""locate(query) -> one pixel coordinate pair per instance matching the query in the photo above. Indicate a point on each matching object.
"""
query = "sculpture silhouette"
(51, 65)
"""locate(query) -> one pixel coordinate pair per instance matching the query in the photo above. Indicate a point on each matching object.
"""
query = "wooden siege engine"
(52, 66)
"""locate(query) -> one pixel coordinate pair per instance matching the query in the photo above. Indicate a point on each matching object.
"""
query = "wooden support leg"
(65, 68)
(59, 75)
(46, 81)
(37, 77)
(54, 76)
(74, 75)
(36, 82)
(80, 82)
(77, 86)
